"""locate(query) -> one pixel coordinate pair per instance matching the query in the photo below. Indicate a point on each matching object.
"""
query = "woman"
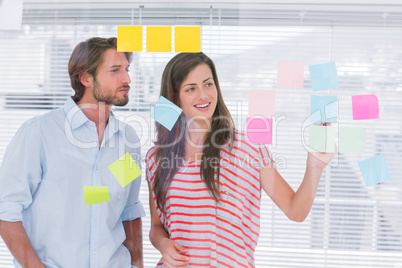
(204, 179)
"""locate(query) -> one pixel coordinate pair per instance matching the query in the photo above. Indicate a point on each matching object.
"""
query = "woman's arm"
(295, 205)
(172, 252)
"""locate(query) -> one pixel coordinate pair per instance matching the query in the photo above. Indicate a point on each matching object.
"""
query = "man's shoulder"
(38, 126)
(56, 113)
(46, 118)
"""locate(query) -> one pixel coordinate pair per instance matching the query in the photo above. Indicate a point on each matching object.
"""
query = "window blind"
(350, 225)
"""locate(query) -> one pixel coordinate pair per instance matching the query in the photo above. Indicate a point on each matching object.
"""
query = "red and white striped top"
(216, 234)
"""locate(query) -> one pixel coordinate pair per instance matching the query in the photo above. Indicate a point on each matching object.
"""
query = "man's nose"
(126, 79)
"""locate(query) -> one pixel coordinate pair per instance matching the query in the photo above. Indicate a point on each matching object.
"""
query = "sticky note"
(374, 170)
(96, 194)
(328, 107)
(166, 112)
(129, 38)
(159, 39)
(261, 103)
(125, 170)
(323, 76)
(352, 140)
(259, 130)
(11, 15)
(365, 107)
(321, 139)
(187, 39)
(290, 75)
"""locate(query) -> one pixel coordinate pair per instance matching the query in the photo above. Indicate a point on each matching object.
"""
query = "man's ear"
(86, 79)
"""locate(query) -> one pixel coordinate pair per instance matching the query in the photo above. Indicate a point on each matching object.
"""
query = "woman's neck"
(196, 134)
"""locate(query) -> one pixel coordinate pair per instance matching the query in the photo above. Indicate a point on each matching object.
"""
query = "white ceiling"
(384, 6)
(323, 2)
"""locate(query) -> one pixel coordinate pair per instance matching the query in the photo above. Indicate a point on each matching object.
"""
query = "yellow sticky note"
(129, 38)
(187, 39)
(159, 39)
(125, 170)
(96, 194)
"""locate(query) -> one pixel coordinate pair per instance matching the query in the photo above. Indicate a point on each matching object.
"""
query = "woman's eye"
(210, 84)
(189, 89)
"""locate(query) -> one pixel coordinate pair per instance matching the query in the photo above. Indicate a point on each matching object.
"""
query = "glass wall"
(350, 225)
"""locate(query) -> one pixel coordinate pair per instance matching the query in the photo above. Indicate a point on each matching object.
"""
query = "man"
(44, 219)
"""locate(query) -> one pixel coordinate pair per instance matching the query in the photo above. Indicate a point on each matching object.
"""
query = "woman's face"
(198, 95)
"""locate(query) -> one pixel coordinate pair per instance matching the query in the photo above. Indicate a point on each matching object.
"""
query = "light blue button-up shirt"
(45, 168)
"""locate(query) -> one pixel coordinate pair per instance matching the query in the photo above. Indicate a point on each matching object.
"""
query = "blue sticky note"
(166, 112)
(324, 109)
(374, 170)
(323, 76)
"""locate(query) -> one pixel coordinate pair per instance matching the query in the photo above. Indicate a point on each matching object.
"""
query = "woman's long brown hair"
(171, 144)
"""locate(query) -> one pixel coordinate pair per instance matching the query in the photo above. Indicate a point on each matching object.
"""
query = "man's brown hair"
(87, 57)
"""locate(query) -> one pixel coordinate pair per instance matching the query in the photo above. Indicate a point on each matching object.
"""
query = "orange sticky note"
(159, 39)
(129, 38)
(187, 39)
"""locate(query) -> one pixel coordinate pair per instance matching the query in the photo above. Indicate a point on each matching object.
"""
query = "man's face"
(111, 84)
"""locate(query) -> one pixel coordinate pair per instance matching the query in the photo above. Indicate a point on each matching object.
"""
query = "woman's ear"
(86, 79)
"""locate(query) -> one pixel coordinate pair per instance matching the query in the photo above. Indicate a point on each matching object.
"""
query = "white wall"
(352, 2)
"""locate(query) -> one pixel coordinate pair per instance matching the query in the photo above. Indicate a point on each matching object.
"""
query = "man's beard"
(103, 95)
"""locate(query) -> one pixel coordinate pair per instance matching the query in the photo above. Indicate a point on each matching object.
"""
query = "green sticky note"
(159, 39)
(129, 38)
(96, 194)
(187, 39)
(125, 170)
(352, 140)
(322, 139)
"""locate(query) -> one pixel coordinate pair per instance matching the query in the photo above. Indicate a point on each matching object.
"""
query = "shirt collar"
(114, 124)
(74, 114)
(77, 118)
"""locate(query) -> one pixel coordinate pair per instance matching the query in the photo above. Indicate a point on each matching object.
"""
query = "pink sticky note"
(259, 130)
(365, 107)
(290, 75)
(261, 103)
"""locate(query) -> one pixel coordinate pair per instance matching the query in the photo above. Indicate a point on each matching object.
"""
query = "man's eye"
(114, 70)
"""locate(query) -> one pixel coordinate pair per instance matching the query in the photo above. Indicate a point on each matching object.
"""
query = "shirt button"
(93, 252)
